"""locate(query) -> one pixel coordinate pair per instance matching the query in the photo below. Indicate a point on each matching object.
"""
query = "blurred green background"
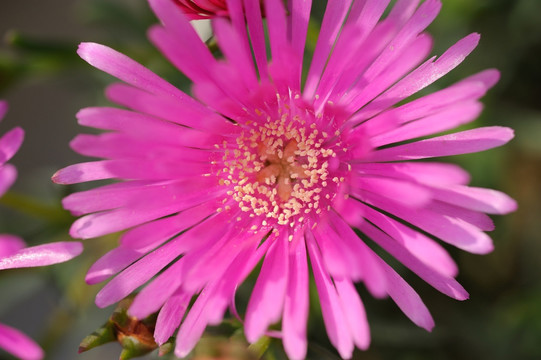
(46, 83)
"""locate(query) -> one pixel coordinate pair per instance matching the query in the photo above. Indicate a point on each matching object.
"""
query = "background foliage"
(46, 83)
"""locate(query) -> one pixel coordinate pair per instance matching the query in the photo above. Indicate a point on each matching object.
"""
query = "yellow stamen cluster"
(279, 168)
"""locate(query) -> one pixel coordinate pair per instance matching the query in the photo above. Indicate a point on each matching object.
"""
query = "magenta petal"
(266, 302)
(42, 255)
(478, 199)
(10, 244)
(333, 315)
(10, 143)
(406, 298)
(124, 68)
(356, 315)
(110, 264)
(8, 175)
(296, 301)
(463, 142)
(18, 344)
(170, 316)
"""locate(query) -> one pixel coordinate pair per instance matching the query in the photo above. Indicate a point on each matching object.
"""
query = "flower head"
(259, 165)
(13, 253)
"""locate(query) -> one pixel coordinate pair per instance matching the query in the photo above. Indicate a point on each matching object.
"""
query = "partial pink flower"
(13, 253)
(260, 165)
(203, 9)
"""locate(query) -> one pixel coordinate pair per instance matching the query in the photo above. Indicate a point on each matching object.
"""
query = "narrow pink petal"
(137, 274)
(371, 273)
(147, 236)
(170, 316)
(299, 19)
(10, 244)
(422, 247)
(371, 85)
(445, 284)
(18, 344)
(143, 270)
(179, 27)
(333, 314)
(107, 222)
(402, 11)
(422, 172)
(296, 301)
(424, 15)
(333, 253)
(42, 255)
(463, 142)
(257, 36)
(10, 142)
(406, 193)
(448, 228)
(276, 23)
(356, 315)
(333, 19)
(127, 70)
(111, 263)
(194, 324)
(164, 126)
(450, 118)
(477, 199)
(193, 116)
(232, 47)
(406, 298)
(423, 76)
(8, 175)
(267, 299)
(154, 295)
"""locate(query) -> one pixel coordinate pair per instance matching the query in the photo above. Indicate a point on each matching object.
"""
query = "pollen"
(278, 167)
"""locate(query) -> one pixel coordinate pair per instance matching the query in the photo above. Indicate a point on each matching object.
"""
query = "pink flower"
(13, 254)
(259, 165)
(202, 9)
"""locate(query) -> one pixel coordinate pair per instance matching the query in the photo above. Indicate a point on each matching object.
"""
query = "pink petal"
(10, 142)
(18, 344)
(110, 264)
(445, 284)
(276, 23)
(257, 36)
(477, 199)
(296, 301)
(8, 175)
(419, 245)
(42, 255)
(448, 228)
(232, 47)
(423, 76)
(356, 315)
(266, 303)
(422, 172)
(154, 295)
(406, 298)
(125, 69)
(333, 315)
(170, 316)
(450, 118)
(406, 193)
(463, 142)
(333, 19)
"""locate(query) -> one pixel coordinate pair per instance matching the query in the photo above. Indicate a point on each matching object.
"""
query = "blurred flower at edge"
(14, 254)
(262, 166)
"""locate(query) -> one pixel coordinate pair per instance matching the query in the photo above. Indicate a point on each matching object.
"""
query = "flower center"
(283, 169)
